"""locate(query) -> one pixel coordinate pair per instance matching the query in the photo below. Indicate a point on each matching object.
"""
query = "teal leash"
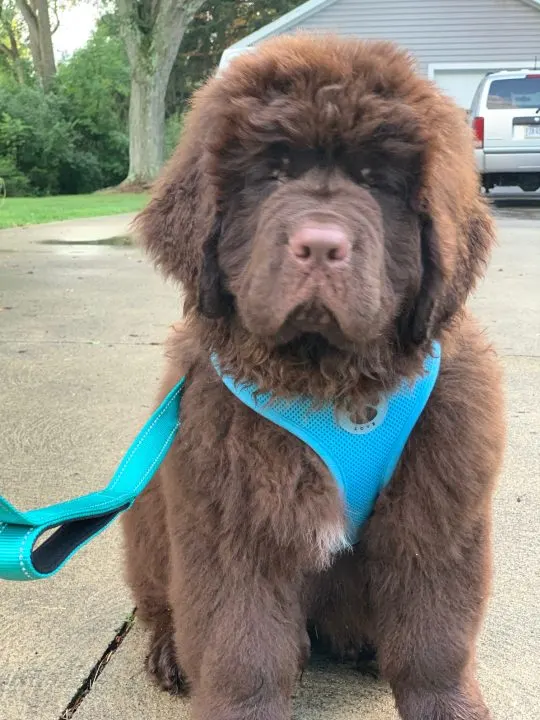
(75, 522)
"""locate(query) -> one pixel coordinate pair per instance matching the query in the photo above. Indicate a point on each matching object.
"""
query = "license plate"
(532, 131)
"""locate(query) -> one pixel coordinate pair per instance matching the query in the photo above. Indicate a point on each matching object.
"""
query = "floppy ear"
(443, 294)
(418, 320)
(181, 214)
(214, 300)
(478, 237)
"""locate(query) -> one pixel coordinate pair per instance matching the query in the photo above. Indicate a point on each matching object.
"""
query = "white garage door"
(459, 84)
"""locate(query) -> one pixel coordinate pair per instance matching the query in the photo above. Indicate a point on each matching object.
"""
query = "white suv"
(505, 117)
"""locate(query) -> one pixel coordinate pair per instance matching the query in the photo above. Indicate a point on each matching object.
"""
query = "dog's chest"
(289, 484)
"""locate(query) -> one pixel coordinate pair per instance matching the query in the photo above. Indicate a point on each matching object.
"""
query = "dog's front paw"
(366, 662)
(162, 666)
(448, 704)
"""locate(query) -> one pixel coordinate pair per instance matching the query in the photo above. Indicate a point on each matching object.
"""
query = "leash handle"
(75, 522)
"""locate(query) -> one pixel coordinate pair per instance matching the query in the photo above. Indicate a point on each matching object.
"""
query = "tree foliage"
(14, 56)
(219, 24)
(36, 142)
(74, 137)
(95, 85)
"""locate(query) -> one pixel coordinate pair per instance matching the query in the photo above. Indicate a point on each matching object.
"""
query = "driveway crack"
(98, 668)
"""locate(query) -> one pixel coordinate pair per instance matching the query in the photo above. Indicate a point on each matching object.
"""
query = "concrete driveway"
(80, 357)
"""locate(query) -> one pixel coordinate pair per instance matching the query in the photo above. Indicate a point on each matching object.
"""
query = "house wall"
(440, 31)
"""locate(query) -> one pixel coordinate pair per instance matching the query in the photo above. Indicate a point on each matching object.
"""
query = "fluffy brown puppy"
(323, 217)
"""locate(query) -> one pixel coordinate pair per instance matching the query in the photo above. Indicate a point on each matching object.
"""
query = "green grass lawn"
(33, 211)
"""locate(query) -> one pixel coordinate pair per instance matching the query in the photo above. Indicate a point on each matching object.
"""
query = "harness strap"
(75, 522)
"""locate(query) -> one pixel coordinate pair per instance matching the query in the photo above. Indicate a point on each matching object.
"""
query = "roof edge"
(284, 22)
(302, 12)
(292, 18)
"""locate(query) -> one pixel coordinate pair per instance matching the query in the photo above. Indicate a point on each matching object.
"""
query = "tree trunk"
(146, 126)
(36, 17)
(152, 39)
(48, 64)
(30, 18)
(19, 71)
(11, 51)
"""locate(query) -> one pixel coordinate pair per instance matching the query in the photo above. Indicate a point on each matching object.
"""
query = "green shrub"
(73, 139)
(95, 86)
(173, 130)
(34, 135)
(16, 184)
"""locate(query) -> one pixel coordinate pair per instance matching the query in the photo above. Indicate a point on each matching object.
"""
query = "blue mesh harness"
(361, 457)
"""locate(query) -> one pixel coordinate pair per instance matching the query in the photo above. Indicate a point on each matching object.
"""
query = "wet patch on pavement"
(120, 241)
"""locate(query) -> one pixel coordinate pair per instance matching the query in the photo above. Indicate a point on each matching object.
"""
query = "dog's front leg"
(239, 639)
(427, 593)
(427, 605)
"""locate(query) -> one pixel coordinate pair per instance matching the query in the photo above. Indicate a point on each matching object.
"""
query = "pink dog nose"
(320, 243)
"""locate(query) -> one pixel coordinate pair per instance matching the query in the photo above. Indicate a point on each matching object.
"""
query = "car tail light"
(478, 129)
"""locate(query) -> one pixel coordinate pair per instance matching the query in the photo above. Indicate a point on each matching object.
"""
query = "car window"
(476, 97)
(517, 93)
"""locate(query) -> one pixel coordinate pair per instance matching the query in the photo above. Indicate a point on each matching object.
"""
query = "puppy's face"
(321, 241)
(323, 195)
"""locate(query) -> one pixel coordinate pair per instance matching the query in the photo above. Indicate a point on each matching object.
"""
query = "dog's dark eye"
(280, 170)
(360, 173)
(365, 177)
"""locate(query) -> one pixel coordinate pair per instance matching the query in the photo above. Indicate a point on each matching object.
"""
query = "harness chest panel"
(361, 456)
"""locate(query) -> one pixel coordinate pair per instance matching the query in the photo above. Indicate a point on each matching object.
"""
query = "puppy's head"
(324, 194)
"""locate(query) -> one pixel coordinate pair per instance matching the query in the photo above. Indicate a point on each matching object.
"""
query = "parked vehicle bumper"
(505, 162)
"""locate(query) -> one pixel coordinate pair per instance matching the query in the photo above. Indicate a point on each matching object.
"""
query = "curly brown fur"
(237, 543)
